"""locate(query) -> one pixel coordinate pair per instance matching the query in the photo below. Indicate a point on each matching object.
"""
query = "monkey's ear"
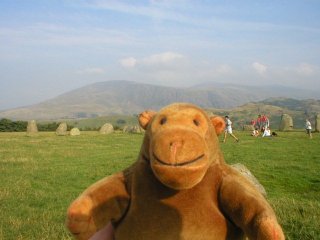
(145, 118)
(218, 123)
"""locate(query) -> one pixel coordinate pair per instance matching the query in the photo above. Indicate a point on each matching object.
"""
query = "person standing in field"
(258, 123)
(308, 128)
(265, 122)
(228, 130)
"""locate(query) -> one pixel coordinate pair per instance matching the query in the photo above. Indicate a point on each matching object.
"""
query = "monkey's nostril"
(176, 144)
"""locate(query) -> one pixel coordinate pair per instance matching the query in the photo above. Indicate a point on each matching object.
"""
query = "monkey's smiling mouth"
(179, 164)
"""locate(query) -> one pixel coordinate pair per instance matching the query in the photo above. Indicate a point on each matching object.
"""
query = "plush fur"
(179, 188)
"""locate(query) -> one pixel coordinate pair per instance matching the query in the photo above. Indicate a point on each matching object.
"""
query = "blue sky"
(50, 47)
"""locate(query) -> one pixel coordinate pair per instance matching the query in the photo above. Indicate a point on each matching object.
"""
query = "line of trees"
(48, 127)
(7, 125)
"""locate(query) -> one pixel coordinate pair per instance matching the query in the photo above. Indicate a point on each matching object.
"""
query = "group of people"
(261, 125)
(266, 132)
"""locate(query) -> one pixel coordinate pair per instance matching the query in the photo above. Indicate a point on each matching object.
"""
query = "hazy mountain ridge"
(125, 98)
(262, 92)
(242, 115)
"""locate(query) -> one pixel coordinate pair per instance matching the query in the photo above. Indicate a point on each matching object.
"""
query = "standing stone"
(62, 129)
(74, 132)
(107, 128)
(32, 128)
(246, 172)
(317, 123)
(286, 123)
(133, 129)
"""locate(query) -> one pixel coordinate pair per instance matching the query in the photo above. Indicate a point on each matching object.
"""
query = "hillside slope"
(299, 110)
(127, 98)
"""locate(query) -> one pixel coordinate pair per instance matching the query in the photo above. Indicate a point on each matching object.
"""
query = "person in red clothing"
(264, 122)
(253, 122)
(258, 122)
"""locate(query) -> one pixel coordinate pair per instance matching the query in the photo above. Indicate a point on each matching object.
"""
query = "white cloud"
(129, 62)
(166, 68)
(166, 59)
(259, 68)
(162, 58)
(92, 71)
(306, 69)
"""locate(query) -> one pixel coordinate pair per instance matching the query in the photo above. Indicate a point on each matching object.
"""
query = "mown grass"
(41, 175)
(288, 167)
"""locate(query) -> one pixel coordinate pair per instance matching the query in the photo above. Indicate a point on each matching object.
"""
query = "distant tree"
(69, 127)
(121, 121)
(48, 127)
(81, 114)
(116, 127)
(87, 129)
(4, 125)
(21, 126)
(7, 125)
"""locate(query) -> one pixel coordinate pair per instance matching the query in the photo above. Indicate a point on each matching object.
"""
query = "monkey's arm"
(104, 201)
(248, 209)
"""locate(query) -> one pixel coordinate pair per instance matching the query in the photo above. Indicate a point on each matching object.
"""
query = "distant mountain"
(126, 98)
(260, 92)
(241, 115)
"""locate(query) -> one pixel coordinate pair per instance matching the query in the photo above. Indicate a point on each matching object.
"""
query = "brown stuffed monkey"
(179, 188)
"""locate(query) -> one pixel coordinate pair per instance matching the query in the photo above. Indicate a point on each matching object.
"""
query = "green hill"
(273, 108)
(127, 98)
(299, 110)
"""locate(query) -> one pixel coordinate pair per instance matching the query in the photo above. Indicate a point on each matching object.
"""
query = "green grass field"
(41, 175)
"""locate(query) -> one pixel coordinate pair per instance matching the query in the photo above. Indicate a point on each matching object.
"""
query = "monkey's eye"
(163, 120)
(196, 122)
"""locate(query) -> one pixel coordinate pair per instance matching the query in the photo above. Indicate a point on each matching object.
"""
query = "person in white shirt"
(228, 130)
(308, 128)
(266, 132)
